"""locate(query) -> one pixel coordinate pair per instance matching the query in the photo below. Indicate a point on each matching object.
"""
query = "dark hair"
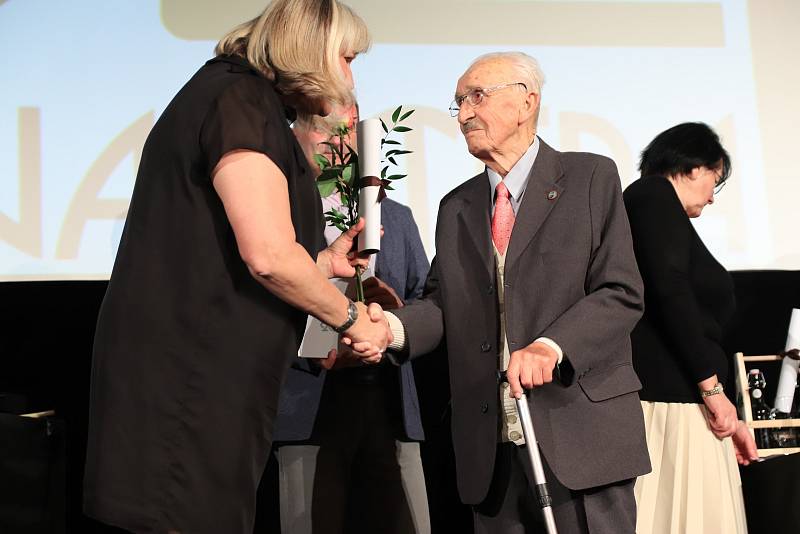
(683, 148)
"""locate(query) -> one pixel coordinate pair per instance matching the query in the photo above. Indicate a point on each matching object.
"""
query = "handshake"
(367, 339)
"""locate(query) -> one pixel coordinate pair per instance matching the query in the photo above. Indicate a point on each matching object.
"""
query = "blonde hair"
(297, 44)
(329, 124)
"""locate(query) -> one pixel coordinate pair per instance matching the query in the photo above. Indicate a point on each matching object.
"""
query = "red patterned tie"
(503, 218)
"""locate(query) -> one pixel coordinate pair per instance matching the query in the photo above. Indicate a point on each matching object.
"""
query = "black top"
(190, 350)
(688, 297)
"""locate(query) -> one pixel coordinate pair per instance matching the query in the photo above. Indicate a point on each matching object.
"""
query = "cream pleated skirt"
(694, 487)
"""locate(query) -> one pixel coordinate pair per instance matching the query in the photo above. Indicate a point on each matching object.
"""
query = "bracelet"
(716, 390)
(352, 315)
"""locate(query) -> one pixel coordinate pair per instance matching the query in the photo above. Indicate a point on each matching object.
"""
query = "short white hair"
(527, 68)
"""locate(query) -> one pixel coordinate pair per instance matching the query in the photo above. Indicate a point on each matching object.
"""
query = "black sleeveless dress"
(190, 351)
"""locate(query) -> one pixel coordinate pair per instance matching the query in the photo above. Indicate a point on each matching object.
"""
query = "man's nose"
(465, 112)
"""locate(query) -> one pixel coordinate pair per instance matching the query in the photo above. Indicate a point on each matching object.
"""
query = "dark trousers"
(511, 506)
(358, 485)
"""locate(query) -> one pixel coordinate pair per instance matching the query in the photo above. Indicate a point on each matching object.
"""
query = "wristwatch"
(352, 315)
(716, 390)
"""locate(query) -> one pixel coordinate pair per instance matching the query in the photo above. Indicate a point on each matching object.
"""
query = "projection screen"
(84, 82)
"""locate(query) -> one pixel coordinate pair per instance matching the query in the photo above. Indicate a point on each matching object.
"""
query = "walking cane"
(542, 492)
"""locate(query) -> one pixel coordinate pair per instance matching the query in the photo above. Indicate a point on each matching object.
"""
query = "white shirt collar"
(517, 178)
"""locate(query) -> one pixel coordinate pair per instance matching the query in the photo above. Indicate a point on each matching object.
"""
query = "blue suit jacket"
(403, 265)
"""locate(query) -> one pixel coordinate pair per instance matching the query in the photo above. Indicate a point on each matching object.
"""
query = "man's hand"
(379, 292)
(744, 445)
(370, 335)
(339, 259)
(342, 357)
(530, 367)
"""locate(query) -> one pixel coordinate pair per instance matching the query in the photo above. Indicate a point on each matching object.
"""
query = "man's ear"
(530, 105)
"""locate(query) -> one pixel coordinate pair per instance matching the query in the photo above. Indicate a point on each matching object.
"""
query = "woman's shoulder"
(648, 186)
(651, 200)
(231, 76)
(651, 191)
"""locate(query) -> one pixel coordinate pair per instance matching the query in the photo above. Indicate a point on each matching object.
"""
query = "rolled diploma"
(369, 164)
(788, 377)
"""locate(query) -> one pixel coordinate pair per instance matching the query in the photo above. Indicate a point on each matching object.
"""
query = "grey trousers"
(297, 468)
(512, 508)
(355, 474)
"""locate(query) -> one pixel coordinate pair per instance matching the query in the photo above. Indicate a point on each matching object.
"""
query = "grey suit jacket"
(570, 276)
(403, 265)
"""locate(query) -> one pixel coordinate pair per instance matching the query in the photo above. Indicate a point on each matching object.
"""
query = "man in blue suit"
(347, 434)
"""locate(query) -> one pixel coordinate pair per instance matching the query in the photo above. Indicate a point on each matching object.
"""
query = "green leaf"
(347, 174)
(326, 187)
(391, 142)
(383, 171)
(396, 113)
(335, 220)
(397, 152)
(396, 177)
(322, 161)
(401, 129)
(388, 188)
(331, 173)
(385, 129)
(335, 148)
(341, 227)
(406, 115)
(390, 158)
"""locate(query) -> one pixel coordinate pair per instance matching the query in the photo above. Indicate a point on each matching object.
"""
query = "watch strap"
(352, 315)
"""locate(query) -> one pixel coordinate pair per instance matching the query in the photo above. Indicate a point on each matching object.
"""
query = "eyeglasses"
(475, 96)
(719, 183)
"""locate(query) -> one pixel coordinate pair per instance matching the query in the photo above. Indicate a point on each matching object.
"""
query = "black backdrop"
(45, 360)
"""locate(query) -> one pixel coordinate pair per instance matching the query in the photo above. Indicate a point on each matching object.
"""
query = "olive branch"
(340, 173)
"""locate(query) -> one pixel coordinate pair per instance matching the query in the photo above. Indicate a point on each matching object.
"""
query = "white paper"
(788, 377)
(369, 133)
(320, 338)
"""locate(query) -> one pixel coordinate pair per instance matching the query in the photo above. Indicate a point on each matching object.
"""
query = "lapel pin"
(552, 195)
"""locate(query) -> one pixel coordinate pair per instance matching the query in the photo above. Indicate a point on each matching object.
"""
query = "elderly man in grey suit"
(534, 273)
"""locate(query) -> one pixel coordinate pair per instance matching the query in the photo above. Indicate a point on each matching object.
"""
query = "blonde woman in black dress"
(218, 267)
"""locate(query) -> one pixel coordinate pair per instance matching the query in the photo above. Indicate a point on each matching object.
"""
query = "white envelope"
(320, 338)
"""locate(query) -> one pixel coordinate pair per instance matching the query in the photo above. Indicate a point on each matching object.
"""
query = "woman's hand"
(339, 259)
(370, 334)
(721, 415)
(744, 445)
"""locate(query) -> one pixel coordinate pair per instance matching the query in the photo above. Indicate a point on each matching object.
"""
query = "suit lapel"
(474, 216)
(541, 195)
